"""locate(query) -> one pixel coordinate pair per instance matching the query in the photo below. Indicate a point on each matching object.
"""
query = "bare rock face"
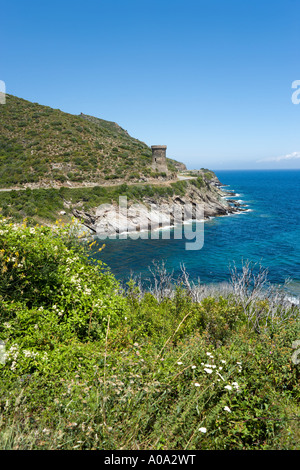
(179, 166)
(87, 219)
(135, 218)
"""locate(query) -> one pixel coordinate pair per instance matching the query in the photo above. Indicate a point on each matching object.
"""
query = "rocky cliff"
(203, 198)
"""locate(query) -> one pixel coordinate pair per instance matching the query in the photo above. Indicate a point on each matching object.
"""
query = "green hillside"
(41, 146)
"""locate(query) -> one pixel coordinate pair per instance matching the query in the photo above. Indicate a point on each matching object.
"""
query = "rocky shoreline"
(116, 219)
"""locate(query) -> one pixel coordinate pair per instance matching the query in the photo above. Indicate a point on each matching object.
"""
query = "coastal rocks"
(151, 213)
(87, 219)
(113, 219)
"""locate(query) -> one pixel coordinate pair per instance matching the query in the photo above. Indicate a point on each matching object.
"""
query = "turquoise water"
(269, 233)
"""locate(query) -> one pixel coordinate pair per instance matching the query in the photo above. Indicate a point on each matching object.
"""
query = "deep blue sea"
(269, 234)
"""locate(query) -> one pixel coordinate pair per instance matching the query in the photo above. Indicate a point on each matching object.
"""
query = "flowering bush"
(50, 292)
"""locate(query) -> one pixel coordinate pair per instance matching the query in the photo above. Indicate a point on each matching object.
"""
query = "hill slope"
(56, 156)
(41, 146)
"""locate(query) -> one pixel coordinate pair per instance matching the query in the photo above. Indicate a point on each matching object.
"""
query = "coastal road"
(91, 185)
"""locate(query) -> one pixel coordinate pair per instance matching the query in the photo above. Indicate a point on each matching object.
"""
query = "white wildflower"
(28, 353)
(209, 371)
(204, 430)
(226, 408)
(229, 387)
(13, 352)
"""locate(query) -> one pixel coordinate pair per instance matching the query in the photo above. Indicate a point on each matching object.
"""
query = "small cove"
(268, 233)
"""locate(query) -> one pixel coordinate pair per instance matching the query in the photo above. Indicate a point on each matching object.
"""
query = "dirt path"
(91, 185)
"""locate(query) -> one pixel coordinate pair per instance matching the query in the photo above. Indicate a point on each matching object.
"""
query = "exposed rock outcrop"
(152, 213)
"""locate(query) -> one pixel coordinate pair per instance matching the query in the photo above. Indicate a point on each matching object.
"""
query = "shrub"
(45, 270)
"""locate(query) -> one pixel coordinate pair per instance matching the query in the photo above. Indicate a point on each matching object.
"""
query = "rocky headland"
(197, 203)
(54, 164)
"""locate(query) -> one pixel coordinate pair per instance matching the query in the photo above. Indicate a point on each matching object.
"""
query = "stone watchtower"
(159, 160)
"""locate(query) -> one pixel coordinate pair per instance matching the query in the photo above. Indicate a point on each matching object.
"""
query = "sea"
(267, 234)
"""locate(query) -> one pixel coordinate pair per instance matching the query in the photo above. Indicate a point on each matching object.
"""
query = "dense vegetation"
(41, 145)
(45, 205)
(89, 365)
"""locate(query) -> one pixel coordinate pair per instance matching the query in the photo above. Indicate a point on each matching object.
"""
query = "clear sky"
(211, 79)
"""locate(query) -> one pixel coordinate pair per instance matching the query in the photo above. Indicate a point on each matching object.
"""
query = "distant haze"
(277, 163)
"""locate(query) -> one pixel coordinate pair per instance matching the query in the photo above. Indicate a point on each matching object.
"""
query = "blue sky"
(211, 79)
